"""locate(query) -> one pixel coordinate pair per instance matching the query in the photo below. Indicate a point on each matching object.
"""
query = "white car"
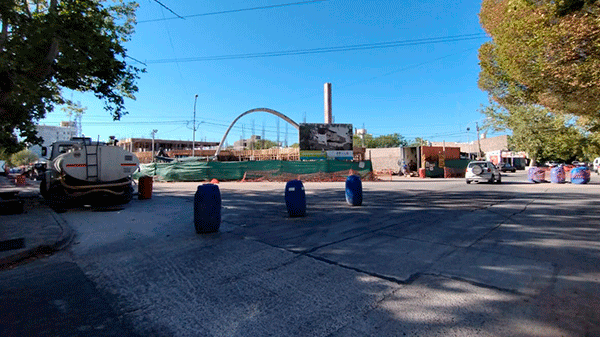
(482, 171)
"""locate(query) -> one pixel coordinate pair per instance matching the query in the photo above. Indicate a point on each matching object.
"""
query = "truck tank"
(91, 172)
(97, 164)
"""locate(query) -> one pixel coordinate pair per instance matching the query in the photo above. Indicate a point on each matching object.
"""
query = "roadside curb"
(67, 235)
(64, 240)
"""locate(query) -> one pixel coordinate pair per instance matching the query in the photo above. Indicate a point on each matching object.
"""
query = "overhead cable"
(379, 45)
(169, 9)
(232, 11)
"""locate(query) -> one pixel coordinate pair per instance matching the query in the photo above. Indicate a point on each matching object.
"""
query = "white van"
(596, 164)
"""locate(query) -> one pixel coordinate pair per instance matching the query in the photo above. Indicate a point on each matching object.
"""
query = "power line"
(169, 9)
(378, 45)
(232, 11)
(136, 60)
(407, 68)
(171, 43)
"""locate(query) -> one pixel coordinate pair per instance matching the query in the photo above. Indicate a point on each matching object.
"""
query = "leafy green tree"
(264, 144)
(418, 142)
(4, 156)
(391, 140)
(543, 135)
(23, 157)
(357, 141)
(47, 46)
(542, 74)
(544, 53)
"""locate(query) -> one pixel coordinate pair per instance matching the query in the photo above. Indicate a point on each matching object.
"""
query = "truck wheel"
(127, 195)
(57, 198)
(43, 189)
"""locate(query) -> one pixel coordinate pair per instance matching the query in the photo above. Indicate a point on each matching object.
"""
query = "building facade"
(486, 144)
(51, 134)
(145, 144)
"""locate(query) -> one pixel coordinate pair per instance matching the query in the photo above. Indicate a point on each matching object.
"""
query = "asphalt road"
(422, 257)
(52, 297)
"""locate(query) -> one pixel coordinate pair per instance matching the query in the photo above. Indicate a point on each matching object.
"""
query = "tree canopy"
(542, 73)
(23, 157)
(543, 52)
(47, 46)
(261, 144)
(419, 142)
(391, 140)
(545, 136)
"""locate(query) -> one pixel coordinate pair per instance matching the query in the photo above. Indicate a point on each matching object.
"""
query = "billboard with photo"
(325, 141)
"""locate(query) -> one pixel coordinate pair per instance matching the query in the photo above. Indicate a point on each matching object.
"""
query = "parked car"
(482, 171)
(506, 167)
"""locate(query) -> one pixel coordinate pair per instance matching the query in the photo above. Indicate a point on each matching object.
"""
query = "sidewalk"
(40, 229)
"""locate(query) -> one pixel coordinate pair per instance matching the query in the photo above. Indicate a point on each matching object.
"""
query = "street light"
(153, 133)
(469, 142)
(194, 128)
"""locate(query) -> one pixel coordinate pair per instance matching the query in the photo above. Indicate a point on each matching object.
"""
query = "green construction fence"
(454, 168)
(223, 171)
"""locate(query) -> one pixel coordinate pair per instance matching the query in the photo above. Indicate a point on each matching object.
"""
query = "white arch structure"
(271, 111)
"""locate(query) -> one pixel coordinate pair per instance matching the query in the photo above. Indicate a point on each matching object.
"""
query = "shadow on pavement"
(470, 262)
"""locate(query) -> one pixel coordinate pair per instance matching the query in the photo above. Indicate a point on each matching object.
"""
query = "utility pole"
(478, 143)
(252, 139)
(153, 133)
(194, 128)
(262, 137)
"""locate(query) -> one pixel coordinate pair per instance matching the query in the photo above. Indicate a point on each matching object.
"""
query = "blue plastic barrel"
(580, 175)
(295, 198)
(354, 190)
(536, 175)
(207, 208)
(557, 175)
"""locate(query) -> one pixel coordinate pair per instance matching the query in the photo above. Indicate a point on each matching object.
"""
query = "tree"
(357, 141)
(418, 142)
(4, 156)
(391, 140)
(545, 136)
(544, 52)
(23, 157)
(264, 144)
(47, 46)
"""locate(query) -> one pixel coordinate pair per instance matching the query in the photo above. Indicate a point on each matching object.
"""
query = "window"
(64, 148)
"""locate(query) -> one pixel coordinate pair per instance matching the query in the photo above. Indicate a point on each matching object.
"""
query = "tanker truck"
(86, 171)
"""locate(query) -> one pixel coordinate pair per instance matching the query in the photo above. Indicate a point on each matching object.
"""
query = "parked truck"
(82, 170)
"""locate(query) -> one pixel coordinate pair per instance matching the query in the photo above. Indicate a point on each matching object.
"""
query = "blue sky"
(418, 89)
